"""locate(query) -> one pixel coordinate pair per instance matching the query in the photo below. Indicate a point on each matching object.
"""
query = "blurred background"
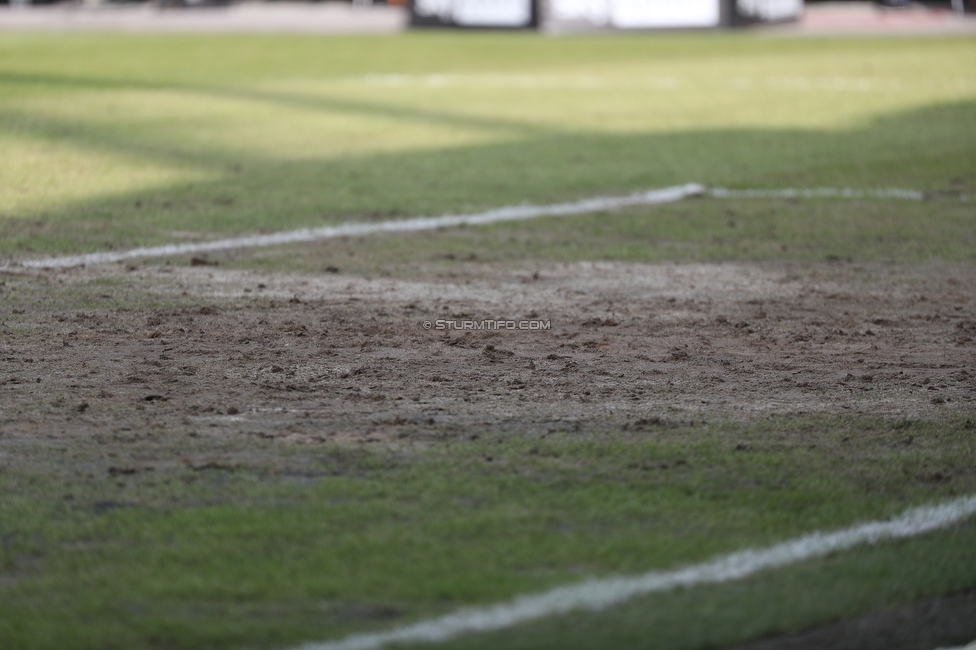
(552, 16)
(954, 5)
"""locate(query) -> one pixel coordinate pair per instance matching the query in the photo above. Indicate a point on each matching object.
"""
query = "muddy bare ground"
(304, 358)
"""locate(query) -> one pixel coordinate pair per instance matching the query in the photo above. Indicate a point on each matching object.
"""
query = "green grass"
(775, 602)
(701, 230)
(303, 544)
(112, 141)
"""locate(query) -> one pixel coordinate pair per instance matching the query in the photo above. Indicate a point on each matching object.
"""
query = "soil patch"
(327, 356)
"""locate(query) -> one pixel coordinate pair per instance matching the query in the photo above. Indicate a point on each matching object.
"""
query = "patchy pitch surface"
(265, 448)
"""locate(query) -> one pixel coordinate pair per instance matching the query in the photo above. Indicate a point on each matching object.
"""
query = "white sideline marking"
(511, 213)
(600, 594)
(820, 193)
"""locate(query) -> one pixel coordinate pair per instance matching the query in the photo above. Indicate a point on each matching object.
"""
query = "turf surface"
(291, 546)
(113, 141)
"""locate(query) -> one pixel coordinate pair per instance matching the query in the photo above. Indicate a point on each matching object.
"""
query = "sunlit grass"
(38, 176)
(306, 131)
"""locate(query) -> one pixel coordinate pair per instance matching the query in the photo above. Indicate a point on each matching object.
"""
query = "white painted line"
(512, 213)
(894, 193)
(820, 193)
(600, 594)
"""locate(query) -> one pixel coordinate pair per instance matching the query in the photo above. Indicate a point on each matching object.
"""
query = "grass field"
(113, 142)
(264, 448)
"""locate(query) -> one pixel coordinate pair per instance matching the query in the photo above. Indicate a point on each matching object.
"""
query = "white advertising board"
(476, 13)
(770, 10)
(650, 14)
(638, 14)
(492, 13)
(584, 15)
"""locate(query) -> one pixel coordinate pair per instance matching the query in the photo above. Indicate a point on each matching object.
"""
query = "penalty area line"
(820, 193)
(596, 595)
(510, 213)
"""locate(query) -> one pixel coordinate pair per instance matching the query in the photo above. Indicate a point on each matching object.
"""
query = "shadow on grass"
(931, 148)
